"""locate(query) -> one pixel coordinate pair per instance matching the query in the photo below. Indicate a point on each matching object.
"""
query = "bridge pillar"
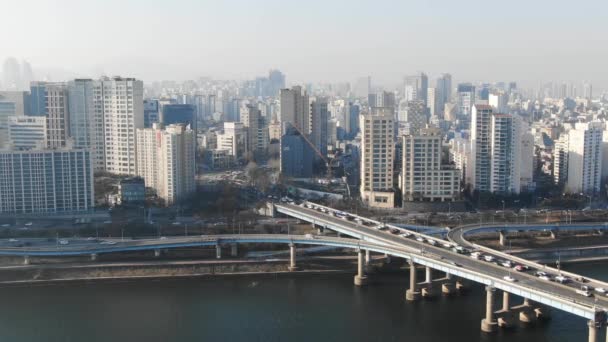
(26, 259)
(94, 257)
(387, 259)
(554, 233)
(505, 301)
(412, 293)
(234, 251)
(368, 257)
(502, 238)
(360, 278)
(292, 258)
(218, 251)
(488, 324)
(157, 253)
(592, 331)
(428, 275)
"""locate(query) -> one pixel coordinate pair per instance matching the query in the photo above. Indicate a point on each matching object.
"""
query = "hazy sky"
(312, 40)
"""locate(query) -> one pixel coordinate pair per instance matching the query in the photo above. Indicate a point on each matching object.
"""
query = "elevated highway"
(441, 255)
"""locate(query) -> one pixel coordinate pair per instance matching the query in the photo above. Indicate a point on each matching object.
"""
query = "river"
(300, 308)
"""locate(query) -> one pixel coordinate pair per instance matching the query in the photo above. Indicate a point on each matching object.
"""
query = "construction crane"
(324, 158)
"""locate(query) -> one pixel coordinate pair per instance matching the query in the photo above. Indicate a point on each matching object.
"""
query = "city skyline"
(522, 42)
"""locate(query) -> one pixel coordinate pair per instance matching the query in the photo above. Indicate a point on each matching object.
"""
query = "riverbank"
(45, 274)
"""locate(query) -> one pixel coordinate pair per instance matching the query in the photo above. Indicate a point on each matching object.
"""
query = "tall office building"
(423, 177)
(444, 87)
(434, 103)
(377, 157)
(585, 158)
(352, 112)
(81, 104)
(27, 132)
(297, 156)
(37, 99)
(57, 113)
(166, 161)
(415, 88)
(560, 159)
(151, 112)
(481, 149)
(179, 114)
(276, 82)
(119, 112)
(46, 181)
(295, 110)
(319, 118)
(466, 99)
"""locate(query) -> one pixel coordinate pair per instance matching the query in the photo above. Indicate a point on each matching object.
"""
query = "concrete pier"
(360, 278)
(234, 251)
(505, 301)
(218, 251)
(412, 293)
(292, 258)
(447, 288)
(26, 260)
(462, 285)
(428, 275)
(502, 238)
(94, 257)
(592, 331)
(157, 253)
(488, 324)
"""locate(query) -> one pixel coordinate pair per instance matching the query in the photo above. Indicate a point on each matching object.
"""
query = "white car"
(28, 224)
(63, 242)
(420, 239)
(509, 278)
(488, 258)
(507, 263)
(563, 279)
(12, 240)
(598, 289)
(447, 245)
(431, 242)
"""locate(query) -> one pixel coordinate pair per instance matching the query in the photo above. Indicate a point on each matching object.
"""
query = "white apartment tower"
(480, 161)
(585, 158)
(505, 161)
(166, 160)
(377, 157)
(82, 115)
(119, 113)
(423, 177)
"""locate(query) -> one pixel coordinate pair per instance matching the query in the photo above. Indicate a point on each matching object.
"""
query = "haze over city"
(329, 41)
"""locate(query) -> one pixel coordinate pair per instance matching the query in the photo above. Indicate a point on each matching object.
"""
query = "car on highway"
(107, 243)
(28, 224)
(506, 263)
(453, 263)
(420, 239)
(431, 242)
(406, 234)
(600, 290)
(509, 279)
(395, 231)
(488, 258)
(447, 245)
(543, 276)
(63, 242)
(12, 240)
(6, 225)
(584, 291)
(562, 279)
(475, 255)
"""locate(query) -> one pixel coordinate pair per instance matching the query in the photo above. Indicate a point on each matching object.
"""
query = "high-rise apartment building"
(412, 116)
(585, 158)
(505, 154)
(57, 114)
(166, 160)
(119, 112)
(46, 181)
(423, 177)
(481, 149)
(251, 117)
(377, 157)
